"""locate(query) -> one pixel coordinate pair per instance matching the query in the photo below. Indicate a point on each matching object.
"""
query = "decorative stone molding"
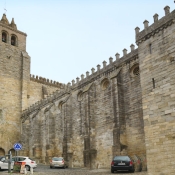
(134, 70)
(156, 27)
(105, 83)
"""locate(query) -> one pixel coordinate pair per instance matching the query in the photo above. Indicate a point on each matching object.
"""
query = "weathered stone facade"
(126, 107)
(17, 89)
(98, 116)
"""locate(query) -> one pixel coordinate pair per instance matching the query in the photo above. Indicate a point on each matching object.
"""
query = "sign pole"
(9, 162)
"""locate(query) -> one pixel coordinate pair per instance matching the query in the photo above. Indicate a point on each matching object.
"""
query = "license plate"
(121, 163)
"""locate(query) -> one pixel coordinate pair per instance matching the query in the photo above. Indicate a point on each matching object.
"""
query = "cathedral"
(124, 107)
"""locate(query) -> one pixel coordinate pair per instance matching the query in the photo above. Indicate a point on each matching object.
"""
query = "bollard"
(31, 170)
(25, 171)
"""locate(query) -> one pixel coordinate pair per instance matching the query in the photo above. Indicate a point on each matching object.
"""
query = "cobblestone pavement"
(45, 170)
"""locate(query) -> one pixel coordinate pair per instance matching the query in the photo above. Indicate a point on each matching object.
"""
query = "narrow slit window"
(153, 83)
(150, 48)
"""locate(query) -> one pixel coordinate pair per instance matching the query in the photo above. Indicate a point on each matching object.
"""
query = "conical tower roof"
(13, 24)
(4, 19)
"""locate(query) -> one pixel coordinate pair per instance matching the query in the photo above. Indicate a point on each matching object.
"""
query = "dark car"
(122, 163)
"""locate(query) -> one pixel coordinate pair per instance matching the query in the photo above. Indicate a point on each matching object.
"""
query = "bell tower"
(14, 80)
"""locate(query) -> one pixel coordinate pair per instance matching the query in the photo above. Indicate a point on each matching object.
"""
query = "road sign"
(17, 146)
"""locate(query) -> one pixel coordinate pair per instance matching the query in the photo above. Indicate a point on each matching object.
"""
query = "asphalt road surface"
(45, 170)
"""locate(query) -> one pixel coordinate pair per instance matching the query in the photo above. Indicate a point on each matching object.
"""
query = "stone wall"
(11, 88)
(38, 90)
(17, 89)
(98, 116)
(156, 47)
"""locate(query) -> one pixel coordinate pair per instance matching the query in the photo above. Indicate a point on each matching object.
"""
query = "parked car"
(1, 157)
(122, 163)
(58, 162)
(29, 162)
(4, 163)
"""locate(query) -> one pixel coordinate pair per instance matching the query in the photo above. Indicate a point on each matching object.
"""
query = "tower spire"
(5, 10)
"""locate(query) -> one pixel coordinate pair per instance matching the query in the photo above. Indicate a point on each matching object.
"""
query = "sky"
(67, 38)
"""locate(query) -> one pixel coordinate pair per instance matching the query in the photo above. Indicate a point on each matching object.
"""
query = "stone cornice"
(11, 28)
(156, 27)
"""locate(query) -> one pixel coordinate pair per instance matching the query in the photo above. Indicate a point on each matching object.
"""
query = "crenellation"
(156, 27)
(110, 60)
(77, 80)
(87, 74)
(98, 67)
(167, 10)
(42, 80)
(104, 64)
(93, 71)
(125, 108)
(68, 84)
(117, 56)
(82, 76)
(146, 24)
(124, 52)
(156, 17)
(137, 30)
(73, 82)
(132, 46)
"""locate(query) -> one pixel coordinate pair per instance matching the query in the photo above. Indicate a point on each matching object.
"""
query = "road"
(45, 170)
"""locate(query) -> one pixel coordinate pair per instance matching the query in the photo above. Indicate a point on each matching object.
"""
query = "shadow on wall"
(2, 152)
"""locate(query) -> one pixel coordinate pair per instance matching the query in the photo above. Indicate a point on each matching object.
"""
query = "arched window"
(134, 71)
(105, 84)
(13, 40)
(4, 37)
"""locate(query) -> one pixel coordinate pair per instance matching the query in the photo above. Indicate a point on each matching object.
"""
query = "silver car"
(58, 162)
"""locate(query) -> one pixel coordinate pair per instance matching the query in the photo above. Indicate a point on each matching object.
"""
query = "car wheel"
(112, 171)
(132, 171)
(27, 168)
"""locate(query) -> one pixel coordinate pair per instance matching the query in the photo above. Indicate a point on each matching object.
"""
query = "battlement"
(45, 81)
(157, 26)
(65, 89)
(106, 69)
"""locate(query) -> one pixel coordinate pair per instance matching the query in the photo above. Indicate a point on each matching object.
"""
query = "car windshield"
(57, 159)
(122, 158)
(1, 158)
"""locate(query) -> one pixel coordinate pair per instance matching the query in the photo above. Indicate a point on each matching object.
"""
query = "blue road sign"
(17, 146)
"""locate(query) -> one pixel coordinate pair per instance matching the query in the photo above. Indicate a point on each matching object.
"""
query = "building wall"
(16, 84)
(158, 93)
(97, 117)
(36, 92)
(11, 86)
(124, 108)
